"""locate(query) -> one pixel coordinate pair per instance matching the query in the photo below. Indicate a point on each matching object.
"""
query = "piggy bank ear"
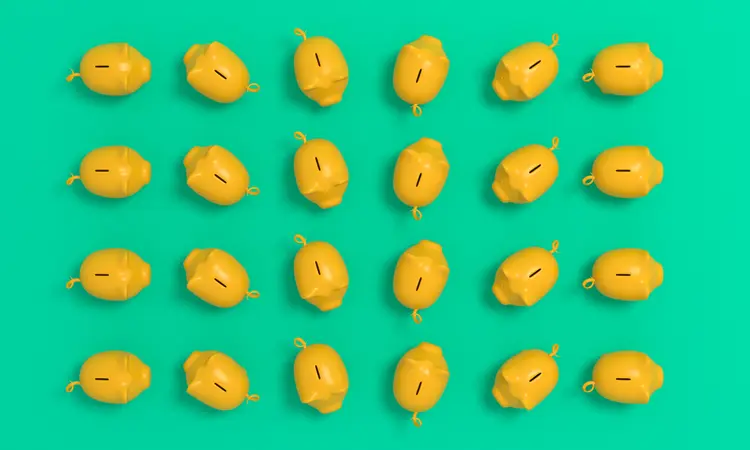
(408, 257)
(643, 395)
(314, 187)
(516, 75)
(310, 397)
(411, 155)
(409, 49)
(314, 292)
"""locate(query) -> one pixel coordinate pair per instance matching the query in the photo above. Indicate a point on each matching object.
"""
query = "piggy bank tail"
(300, 33)
(72, 385)
(416, 420)
(555, 39)
(72, 76)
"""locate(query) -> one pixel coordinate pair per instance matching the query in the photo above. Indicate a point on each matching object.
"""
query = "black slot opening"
(535, 377)
(418, 388)
(622, 170)
(220, 179)
(101, 170)
(102, 67)
(622, 379)
(101, 274)
(101, 379)
(317, 267)
(622, 67)
(419, 75)
(220, 387)
(535, 64)
(419, 283)
(317, 163)
(534, 169)
(218, 281)
(317, 59)
(419, 178)
(535, 272)
(220, 74)
(317, 372)
(622, 274)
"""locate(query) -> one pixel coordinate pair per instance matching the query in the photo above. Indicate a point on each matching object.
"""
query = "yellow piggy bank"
(626, 172)
(113, 172)
(114, 274)
(216, 380)
(217, 278)
(320, 274)
(217, 175)
(626, 377)
(113, 69)
(626, 70)
(526, 71)
(626, 274)
(420, 72)
(420, 174)
(217, 72)
(526, 174)
(526, 379)
(320, 69)
(420, 380)
(420, 277)
(321, 172)
(320, 377)
(526, 276)
(113, 377)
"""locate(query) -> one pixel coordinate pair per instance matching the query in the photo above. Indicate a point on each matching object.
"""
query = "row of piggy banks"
(322, 175)
(322, 381)
(419, 279)
(419, 74)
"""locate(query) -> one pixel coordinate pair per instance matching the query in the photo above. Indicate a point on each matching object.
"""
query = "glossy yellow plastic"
(629, 171)
(321, 172)
(420, 72)
(113, 69)
(420, 174)
(626, 274)
(320, 274)
(114, 274)
(525, 277)
(217, 278)
(320, 377)
(217, 72)
(420, 380)
(526, 71)
(625, 69)
(626, 377)
(526, 379)
(113, 172)
(526, 174)
(217, 175)
(216, 380)
(320, 69)
(420, 277)
(113, 377)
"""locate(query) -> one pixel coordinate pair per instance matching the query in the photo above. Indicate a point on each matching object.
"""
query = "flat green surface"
(690, 223)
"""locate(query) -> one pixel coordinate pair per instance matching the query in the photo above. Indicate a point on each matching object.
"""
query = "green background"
(690, 223)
